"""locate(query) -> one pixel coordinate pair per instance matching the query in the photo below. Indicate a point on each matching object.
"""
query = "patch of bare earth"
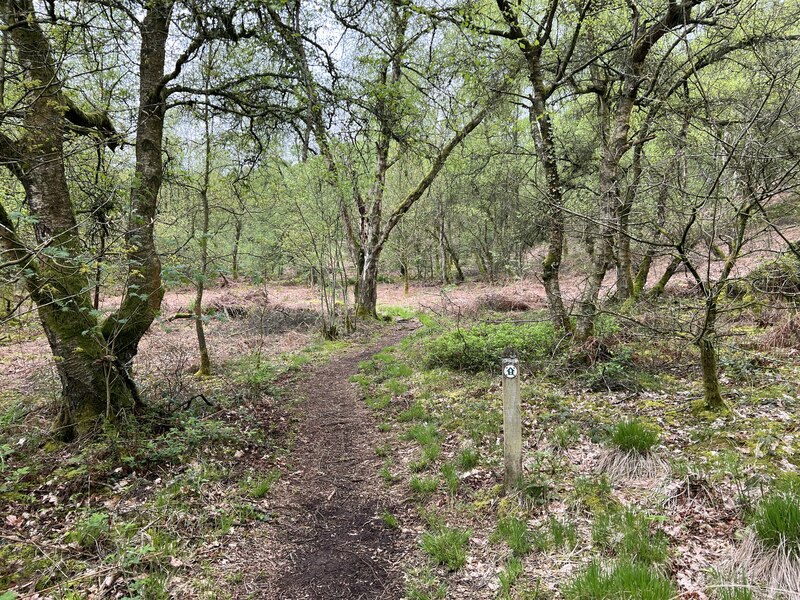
(327, 538)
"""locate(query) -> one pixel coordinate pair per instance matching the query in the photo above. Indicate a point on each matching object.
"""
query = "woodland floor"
(317, 468)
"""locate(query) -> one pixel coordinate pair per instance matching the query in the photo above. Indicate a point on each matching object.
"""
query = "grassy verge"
(575, 523)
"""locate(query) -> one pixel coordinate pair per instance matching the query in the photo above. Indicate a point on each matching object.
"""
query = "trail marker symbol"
(510, 371)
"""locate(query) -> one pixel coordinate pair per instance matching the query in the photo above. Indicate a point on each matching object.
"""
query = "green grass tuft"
(634, 436)
(424, 486)
(632, 536)
(514, 532)
(415, 412)
(565, 436)
(625, 581)
(509, 576)
(425, 434)
(776, 523)
(468, 459)
(450, 477)
(447, 546)
(390, 520)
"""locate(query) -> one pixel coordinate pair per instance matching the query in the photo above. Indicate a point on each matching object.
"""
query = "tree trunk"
(708, 353)
(642, 274)
(94, 382)
(661, 284)
(542, 131)
(205, 361)
(708, 363)
(237, 235)
(367, 291)
(443, 270)
(143, 290)
(624, 262)
(456, 262)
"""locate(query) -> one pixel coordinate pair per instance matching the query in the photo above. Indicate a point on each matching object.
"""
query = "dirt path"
(328, 539)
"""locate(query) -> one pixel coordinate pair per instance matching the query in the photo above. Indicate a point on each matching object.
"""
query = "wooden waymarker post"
(512, 425)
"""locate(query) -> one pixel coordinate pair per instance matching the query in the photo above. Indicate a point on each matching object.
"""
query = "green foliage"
(91, 530)
(738, 589)
(390, 520)
(634, 436)
(776, 522)
(535, 490)
(631, 535)
(446, 546)
(424, 486)
(565, 436)
(513, 531)
(780, 276)
(450, 477)
(592, 493)
(618, 373)
(380, 402)
(397, 388)
(258, 488)
(149, 587)
(385, 366)
(624, 581)
(480, 347)
(423, 585)
(415, 412)
(189, 435)
(386, 473)
(253, 370)
(511, 572)
(401, 312)
(468, 458)
(425, 434)
(563, 534)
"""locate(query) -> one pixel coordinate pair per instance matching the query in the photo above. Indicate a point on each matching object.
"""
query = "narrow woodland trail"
(327, 539)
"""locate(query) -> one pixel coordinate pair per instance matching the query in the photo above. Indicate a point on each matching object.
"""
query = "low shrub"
(779, 277)
(91, 530)
(480, 347)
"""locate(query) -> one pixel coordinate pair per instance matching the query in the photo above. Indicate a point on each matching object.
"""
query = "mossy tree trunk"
(709, 364)
(367, 289)
(544, 140)
(712, 394)
(91, 356)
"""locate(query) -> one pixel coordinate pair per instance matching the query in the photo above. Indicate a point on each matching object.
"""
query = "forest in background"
(591, 182)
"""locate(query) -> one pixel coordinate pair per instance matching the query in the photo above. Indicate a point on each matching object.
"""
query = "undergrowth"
(480, 347)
